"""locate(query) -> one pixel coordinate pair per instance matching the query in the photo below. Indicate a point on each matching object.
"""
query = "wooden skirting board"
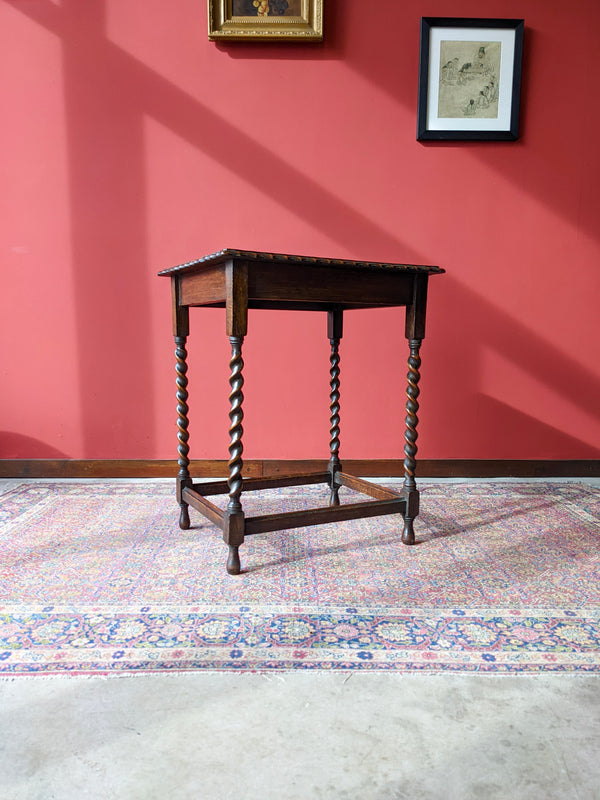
(375, 468)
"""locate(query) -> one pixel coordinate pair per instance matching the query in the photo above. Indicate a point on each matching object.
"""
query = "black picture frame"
(469, 79)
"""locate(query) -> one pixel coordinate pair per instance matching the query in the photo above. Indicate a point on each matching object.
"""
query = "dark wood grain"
(236, 281)
(225, 255)
(415, 310)
(320, 516)
(334, 333)
(204, 506)
(205, 289)
(365, 487)
(411, 421)
(354, 287)
(257, 484)
(183, 476)
(468, 468)
(236, 417)
(180, 313)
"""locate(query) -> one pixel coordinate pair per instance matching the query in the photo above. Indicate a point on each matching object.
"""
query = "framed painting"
(469, 79)
(266, 20)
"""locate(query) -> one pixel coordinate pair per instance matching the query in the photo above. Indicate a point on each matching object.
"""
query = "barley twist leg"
(183, 477)
(410, 436)
(235, 514)
(334, 420)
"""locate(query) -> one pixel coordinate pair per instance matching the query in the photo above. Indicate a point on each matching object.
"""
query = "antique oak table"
(238, 280)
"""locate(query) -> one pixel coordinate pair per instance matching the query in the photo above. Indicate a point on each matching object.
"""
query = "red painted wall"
(131, 143)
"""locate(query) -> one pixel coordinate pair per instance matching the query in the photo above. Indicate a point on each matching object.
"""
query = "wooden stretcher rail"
(320, 516)
(370, 489)
(204, 506)
(255, 484)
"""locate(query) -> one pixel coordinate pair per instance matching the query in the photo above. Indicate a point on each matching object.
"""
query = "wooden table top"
(251, 256)
(244, 278)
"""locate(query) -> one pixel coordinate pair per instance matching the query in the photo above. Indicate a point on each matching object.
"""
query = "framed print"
(267, 20)
(469, 79)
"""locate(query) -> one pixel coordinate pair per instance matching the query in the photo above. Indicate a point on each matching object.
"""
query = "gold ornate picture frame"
(265, 20)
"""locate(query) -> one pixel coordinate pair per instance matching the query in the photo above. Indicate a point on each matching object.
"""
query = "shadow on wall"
(350, 37)
(480, 326)
(108, 95)
(105, 132)
(496, 420)
(15, 445)
(551, 167)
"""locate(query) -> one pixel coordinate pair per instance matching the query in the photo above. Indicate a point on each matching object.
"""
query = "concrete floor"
(301, 735)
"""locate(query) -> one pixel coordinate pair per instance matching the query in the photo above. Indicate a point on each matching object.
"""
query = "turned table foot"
(233, 560)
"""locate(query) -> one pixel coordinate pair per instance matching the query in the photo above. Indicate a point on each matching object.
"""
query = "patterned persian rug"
(99, 579)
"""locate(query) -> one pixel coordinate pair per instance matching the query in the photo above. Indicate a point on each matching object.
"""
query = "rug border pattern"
(113, 639)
